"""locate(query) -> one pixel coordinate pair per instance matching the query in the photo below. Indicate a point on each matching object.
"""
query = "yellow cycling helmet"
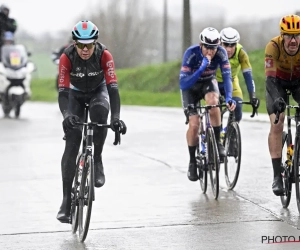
(290, 24)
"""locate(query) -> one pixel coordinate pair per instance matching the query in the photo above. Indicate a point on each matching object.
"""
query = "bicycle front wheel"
(286, 174)
(75, 195)
(296, 171)
(233, 149)
(213, 162)
(202, 169)
(86, 196)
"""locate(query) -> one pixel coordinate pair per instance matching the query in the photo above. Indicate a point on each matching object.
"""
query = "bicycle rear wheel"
(287, 174)
(233, 149)
(202, 170)
(86, 197)
(213, 161)
(296, 171)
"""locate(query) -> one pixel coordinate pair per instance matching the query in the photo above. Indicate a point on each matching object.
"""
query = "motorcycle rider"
(6, 23)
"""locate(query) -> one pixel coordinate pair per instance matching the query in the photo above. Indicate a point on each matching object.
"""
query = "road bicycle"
(207, 154)
(232, 142)
(290, 155)
(83, 190)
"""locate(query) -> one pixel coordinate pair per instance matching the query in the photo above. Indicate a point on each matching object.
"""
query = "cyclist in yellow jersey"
(238, 59)
(282, 70)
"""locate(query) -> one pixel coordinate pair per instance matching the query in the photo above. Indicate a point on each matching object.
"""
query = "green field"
(153, 85)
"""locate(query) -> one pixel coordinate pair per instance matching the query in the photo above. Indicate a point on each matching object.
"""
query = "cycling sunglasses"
(209, 46)
(291, 36)
(229, 44)
(87, 45)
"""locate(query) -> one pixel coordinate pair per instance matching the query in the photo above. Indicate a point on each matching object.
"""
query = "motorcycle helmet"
(9, 36)
(85, 32)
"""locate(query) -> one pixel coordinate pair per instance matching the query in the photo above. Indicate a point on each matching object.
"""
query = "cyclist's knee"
(277, 128)
(238, 112)
(99, 113)
(74, 135)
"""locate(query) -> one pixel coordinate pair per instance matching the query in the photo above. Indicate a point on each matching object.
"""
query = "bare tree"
(187, 37)
(128, 36)
(165, 31)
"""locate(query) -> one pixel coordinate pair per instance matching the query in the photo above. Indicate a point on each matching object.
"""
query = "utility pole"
(187, 37)
(165, 32)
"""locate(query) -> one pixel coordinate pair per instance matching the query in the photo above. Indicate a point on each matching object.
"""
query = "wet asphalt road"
(147, 201)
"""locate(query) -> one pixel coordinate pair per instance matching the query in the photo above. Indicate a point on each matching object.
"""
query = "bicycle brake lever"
(117, 138)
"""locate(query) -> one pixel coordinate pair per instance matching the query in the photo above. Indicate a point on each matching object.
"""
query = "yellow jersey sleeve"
(244, 61)
(271, 56)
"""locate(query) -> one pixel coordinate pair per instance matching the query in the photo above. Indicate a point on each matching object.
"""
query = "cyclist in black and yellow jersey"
(282, 70)
(238, 59)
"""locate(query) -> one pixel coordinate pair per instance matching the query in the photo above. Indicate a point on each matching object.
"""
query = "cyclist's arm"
(226, 75)
(64, 84)
(108, 65)
(247, 72)
(271, 56)
(186, 78)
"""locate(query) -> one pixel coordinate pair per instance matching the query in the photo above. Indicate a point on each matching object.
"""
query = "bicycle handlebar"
(278, 113)
(207, 107)
(254, 109)
(94, 124)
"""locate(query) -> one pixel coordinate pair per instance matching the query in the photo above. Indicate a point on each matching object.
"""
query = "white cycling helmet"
(229, 35)
(210, 36)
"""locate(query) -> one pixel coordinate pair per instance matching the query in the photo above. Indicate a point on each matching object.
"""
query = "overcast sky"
(36, 16)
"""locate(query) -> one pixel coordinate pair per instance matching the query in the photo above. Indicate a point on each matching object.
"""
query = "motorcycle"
(15, 78)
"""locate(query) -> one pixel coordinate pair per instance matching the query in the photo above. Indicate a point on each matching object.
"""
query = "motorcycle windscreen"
(14, 56)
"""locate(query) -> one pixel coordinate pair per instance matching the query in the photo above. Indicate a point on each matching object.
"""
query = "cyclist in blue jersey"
(198, 81)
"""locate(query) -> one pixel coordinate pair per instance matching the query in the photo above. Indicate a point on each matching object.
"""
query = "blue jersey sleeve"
(187, 78)
(226, 74)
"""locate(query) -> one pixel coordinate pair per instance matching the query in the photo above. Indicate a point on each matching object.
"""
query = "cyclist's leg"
(211, 95)
(99, 109)
(275, 90)
(68, 163)
(189, 97)
(237, 95)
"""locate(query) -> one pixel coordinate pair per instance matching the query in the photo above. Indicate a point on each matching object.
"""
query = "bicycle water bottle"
(203, 147)
(222, 134)
(289, 154)
(80, 167)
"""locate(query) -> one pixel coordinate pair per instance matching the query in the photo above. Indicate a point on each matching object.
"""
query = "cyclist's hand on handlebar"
(255, 102)
(279, 105)
(119, 125)
(230, 103)
(70, 122)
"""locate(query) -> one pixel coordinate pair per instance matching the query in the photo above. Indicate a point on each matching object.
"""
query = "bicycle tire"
(202, 170)
(232, 159)
(213, 161)
(296, 170)
(86, 198)
(75, 193)
(286, 177)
